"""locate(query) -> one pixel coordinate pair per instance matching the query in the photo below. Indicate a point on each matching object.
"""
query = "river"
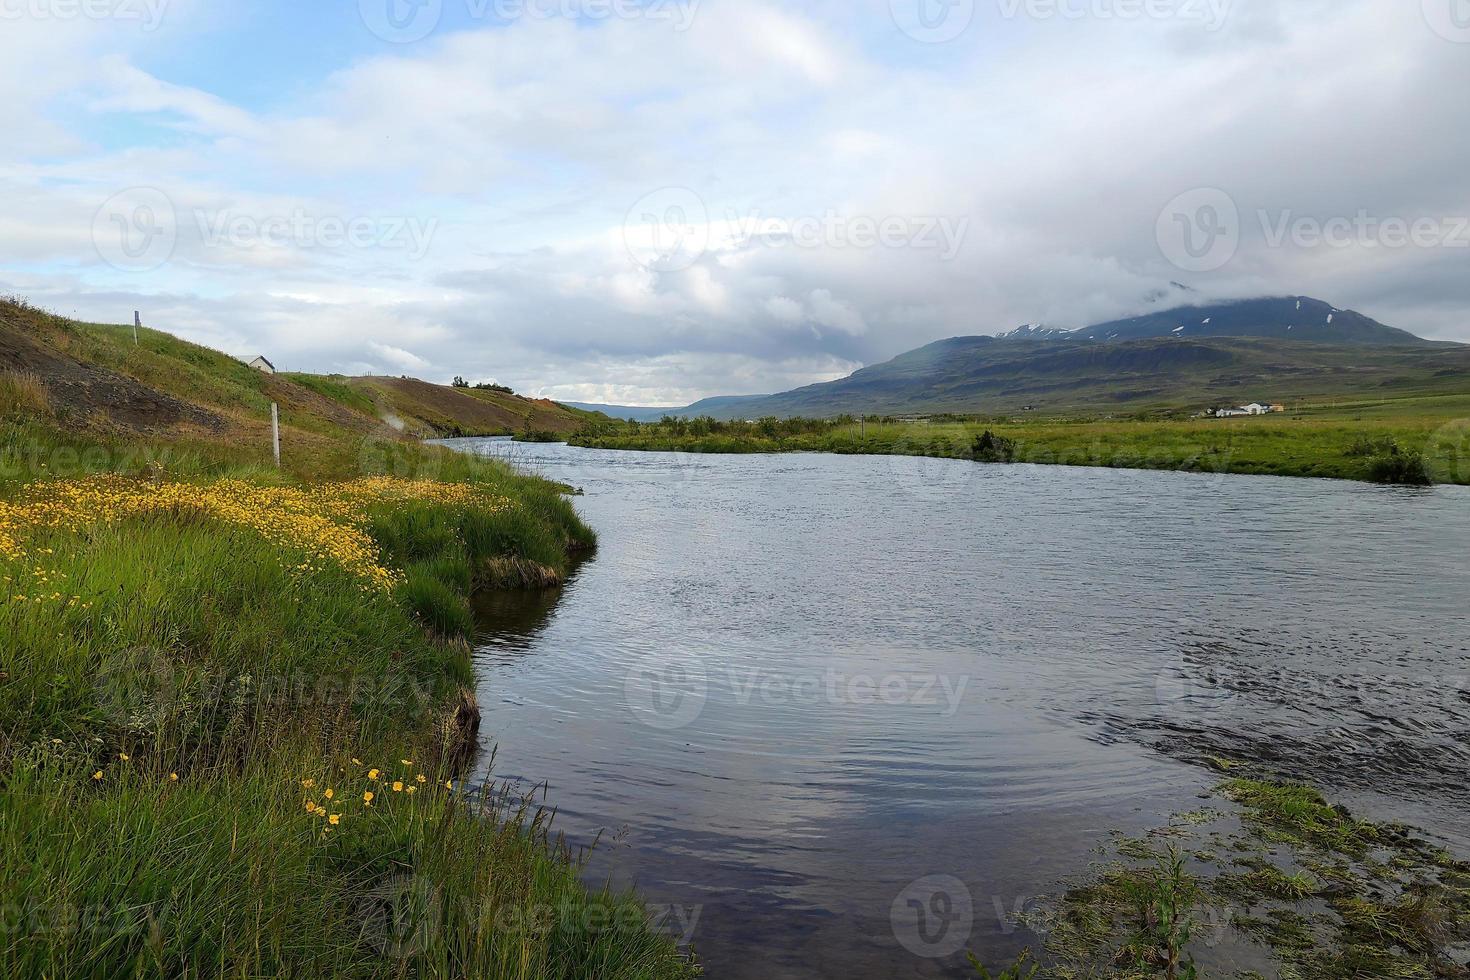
(845, 716)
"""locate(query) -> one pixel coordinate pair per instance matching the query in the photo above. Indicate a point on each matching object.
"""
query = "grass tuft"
(23, 393)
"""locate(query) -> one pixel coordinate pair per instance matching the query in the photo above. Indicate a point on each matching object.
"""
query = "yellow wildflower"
(372, 774)
(368, 797)
(97, 775)
(422, 778)
(397, 786)
(410, 790)
(321, 523)
(123, 756)
(308, 783)
(173, 777)
(329, 793)
(334, 819)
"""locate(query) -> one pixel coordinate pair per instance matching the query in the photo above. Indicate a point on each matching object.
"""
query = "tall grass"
(23, 392)
(178, 696)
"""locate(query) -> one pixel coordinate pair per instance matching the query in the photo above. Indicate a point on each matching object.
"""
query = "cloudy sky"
(650, 201)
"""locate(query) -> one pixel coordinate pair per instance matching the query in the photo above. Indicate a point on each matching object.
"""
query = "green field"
(1410, 439)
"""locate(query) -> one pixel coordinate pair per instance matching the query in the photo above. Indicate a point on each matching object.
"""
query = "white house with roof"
(262, 365)
(1254, 408)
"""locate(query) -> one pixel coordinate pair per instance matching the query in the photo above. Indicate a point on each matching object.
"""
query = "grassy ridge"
(71, 356)
(230, 744)
(1353, 440)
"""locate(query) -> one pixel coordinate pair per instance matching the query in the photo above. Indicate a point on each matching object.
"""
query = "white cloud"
(784, 308)
(526, 145)
(398, 357)
(835, 313)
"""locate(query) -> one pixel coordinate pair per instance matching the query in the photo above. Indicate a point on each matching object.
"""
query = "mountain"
(1035, 331)
(1284, 318)
(726, 406)
(1274, 349)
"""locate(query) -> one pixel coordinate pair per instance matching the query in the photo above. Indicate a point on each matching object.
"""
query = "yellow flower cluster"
(374, 777)
(9, 546)
(326, 521)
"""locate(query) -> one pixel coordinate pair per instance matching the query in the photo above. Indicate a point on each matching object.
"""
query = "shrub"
(1365, 445)
(991, 448)
(1399, 467)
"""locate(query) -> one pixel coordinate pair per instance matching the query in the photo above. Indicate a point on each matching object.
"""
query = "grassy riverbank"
(1412, 439)
(236, 702)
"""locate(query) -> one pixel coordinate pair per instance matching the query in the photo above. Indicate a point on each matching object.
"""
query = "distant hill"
(722, 406)
(432, 409)
(1274, 349)
(625, 411)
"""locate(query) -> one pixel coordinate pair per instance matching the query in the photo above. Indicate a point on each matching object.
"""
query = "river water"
(846, 716)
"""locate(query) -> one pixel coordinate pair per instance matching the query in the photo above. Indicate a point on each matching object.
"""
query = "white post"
(137, 322)
(276, 433)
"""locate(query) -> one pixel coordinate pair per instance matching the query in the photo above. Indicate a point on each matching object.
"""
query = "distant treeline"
(769, 427)
(483, 386)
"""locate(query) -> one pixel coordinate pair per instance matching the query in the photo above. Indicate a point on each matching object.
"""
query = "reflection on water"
(517, 619)
(856, 713)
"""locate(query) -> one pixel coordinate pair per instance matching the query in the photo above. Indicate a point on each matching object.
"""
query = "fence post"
(276, 433)
(137, 322)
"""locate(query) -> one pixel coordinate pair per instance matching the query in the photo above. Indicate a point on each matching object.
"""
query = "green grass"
(191, 649)
(1420, 440)
(1301, 813)
(199, 651)
(337, 389)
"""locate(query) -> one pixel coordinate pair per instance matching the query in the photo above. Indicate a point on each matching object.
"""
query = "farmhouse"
(1254, 408)
(262, 365)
